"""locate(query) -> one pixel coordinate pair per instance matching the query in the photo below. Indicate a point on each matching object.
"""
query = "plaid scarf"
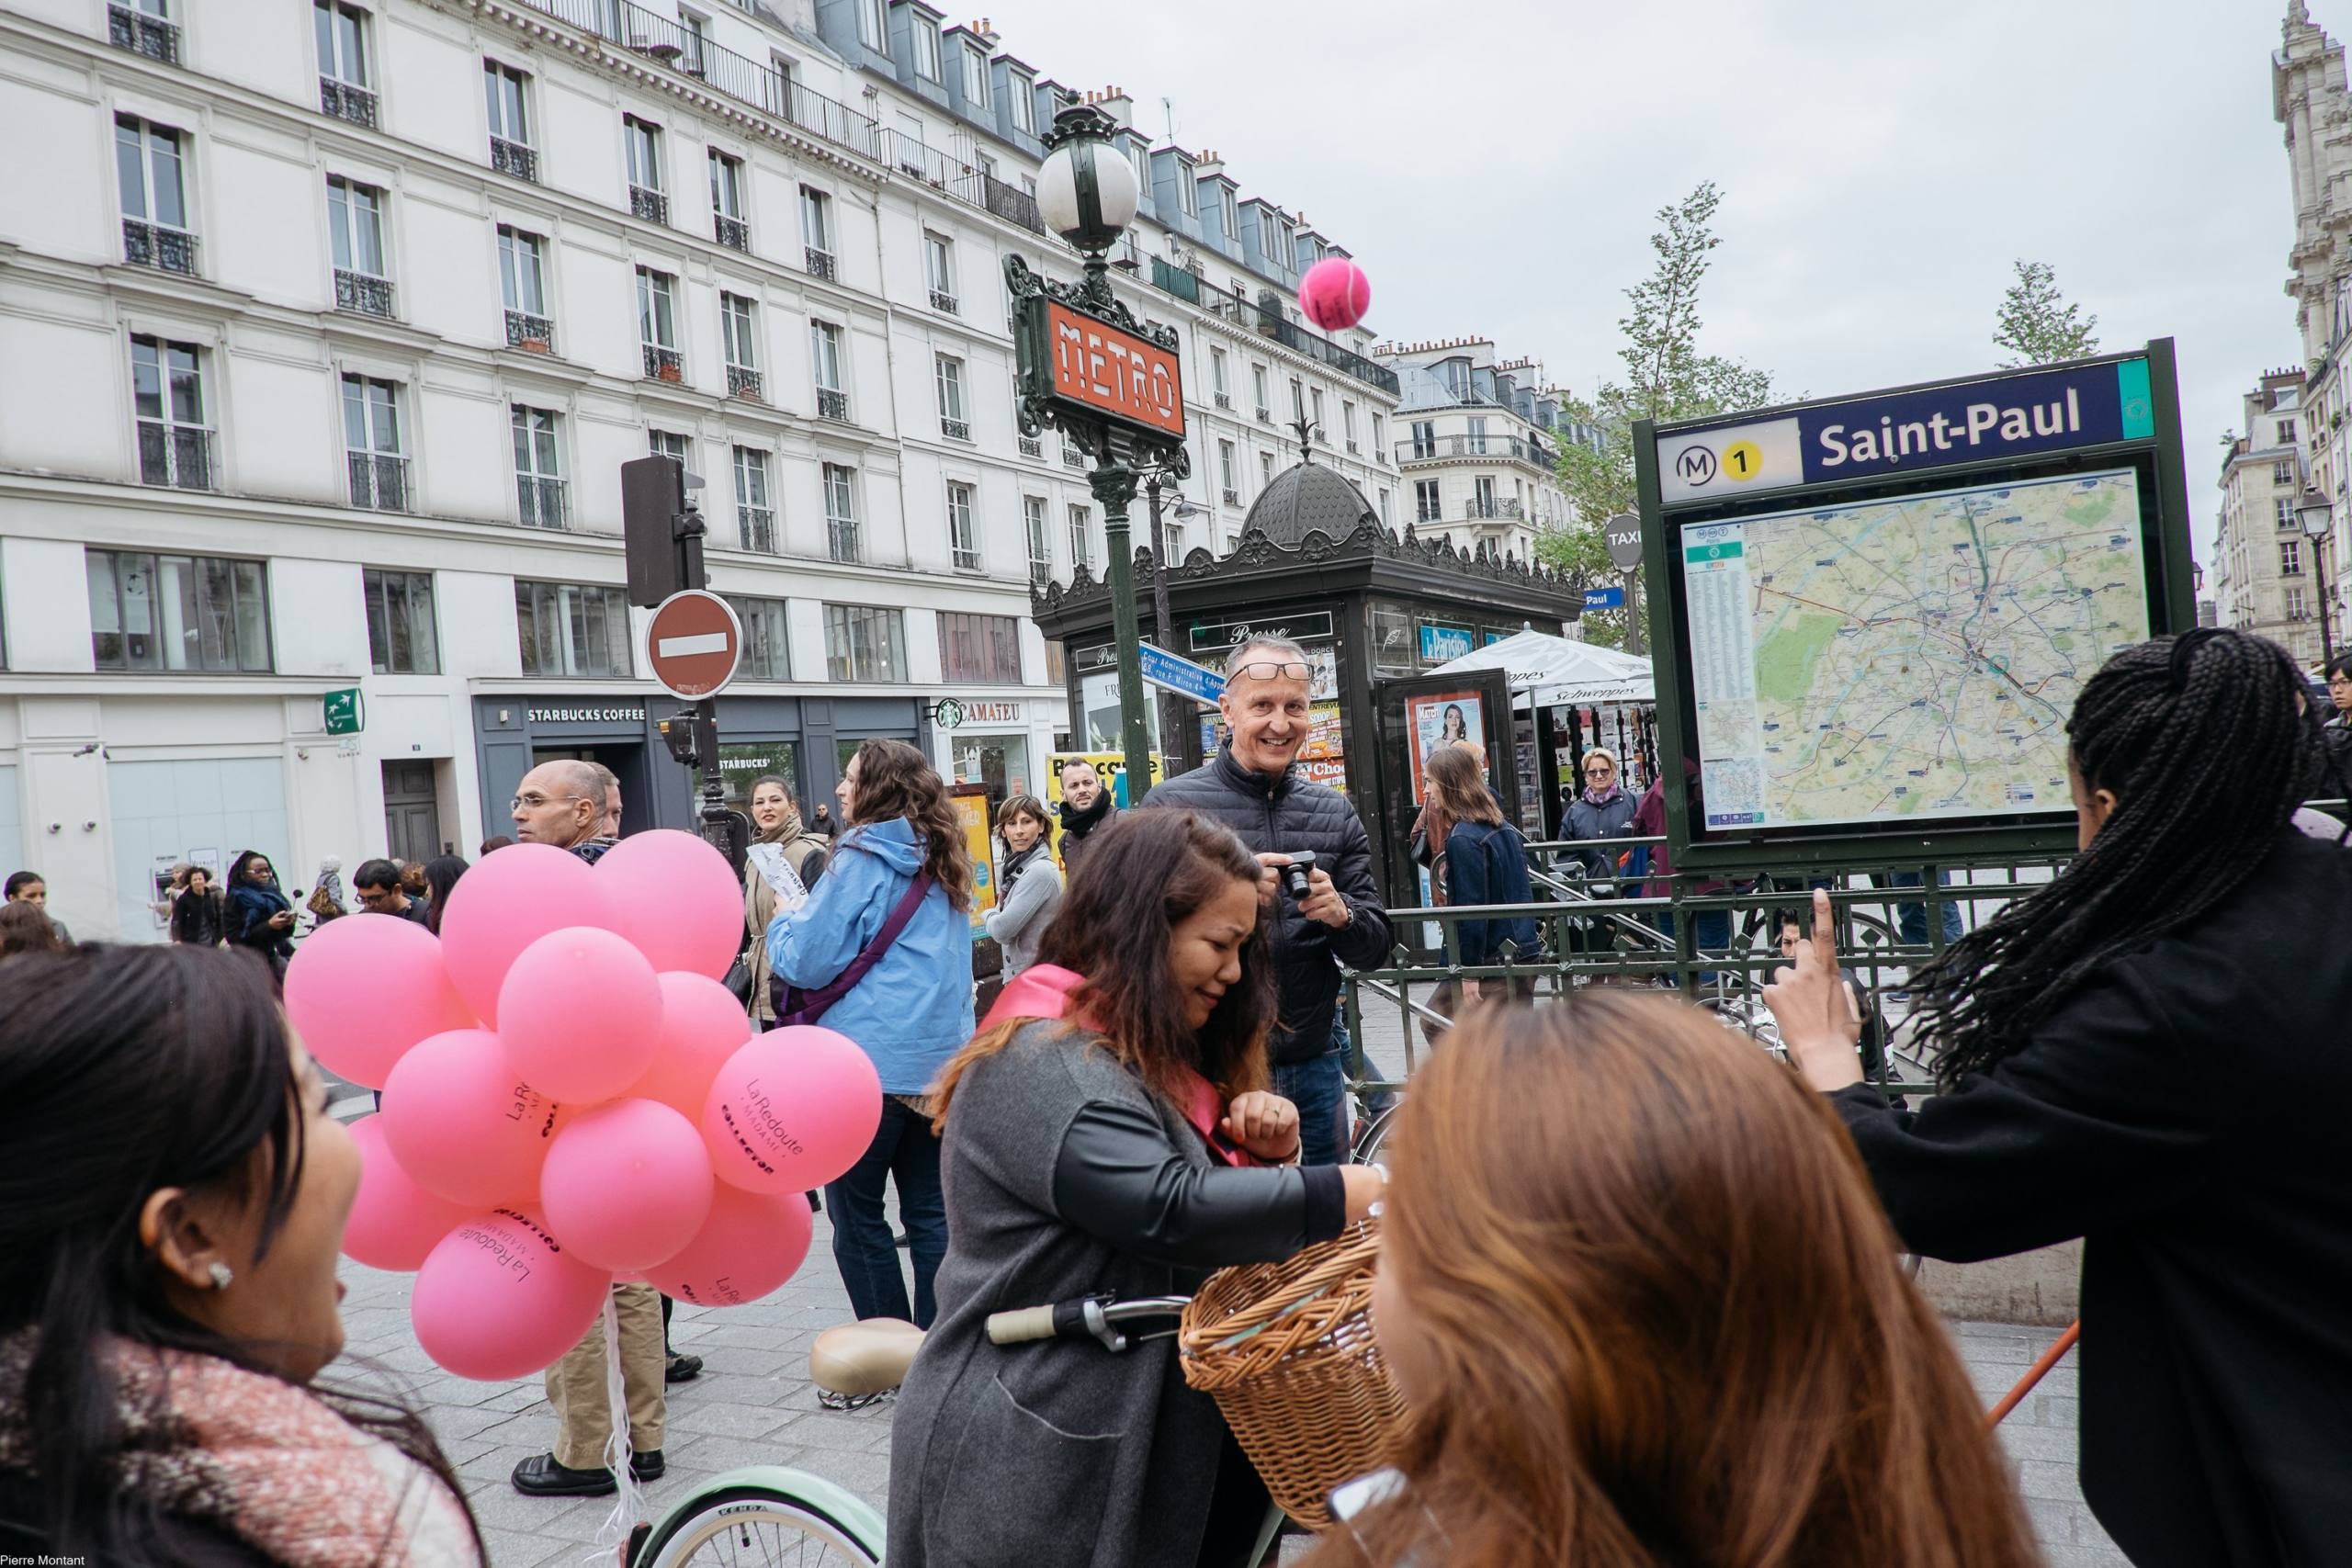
(255, 1458)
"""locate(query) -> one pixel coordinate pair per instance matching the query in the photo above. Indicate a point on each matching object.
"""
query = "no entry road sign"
(692, 644)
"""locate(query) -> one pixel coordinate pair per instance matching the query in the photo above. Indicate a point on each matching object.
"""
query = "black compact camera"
(1294, 876)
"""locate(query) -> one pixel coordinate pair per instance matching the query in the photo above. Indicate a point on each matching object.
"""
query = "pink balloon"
(499, 1298)
(1335, 294)
(702, 1025)
(626, 1184)
(394, 1222)
(791, 1110)
(504, 904)
(677, 898)
(579, 1014)
(752, 1242)
(464, 1125)
(363, 989)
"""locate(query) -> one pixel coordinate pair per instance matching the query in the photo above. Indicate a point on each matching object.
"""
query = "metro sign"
(1105, 370)
(693, 643)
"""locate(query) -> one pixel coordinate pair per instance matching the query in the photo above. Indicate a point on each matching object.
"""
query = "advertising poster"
(1441, 720)
(1112, 766)
(971, 802)
(1324, 741)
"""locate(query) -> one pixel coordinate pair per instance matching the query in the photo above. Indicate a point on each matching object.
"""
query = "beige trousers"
(576, 1383)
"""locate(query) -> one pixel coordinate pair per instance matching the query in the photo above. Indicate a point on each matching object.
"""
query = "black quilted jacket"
(1290, 813)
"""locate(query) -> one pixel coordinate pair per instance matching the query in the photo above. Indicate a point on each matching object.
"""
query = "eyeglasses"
(1295, 670)
(1601, 768)
(534, 801)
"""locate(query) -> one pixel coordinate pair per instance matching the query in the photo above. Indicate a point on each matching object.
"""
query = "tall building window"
(873, 30)
(152, 173)
(346, 88)
(1265, 470)
(1230, 212)
(2290, 557)
(1478, 443)
(1380, 436)
(403, 636)
(767, 638)
(975, 78)
(167, 390)
(1041, 557)
(657, 324)
(2286, 432)
(355, 225)
(641, 139)
(573, 629)
(1217, 378)
(1383, 508)
(1348, 422)
(1229, 481)
(983, 650)
(755, 515)
(727, 202)
(948, 372)
(939, 263)
(1258, 389)
(840, 482)
(522, 283)
(372, 454)
(738, 331)
(2297, 608)
(825, 366)
(510, 123)
(1316, 413)
(194, 614)
(864, 643)
(926, 37)
(538, 470)
(672, 443)
(1426, 506)
(963, 530)
(2283, 509)
(1024, 107)
(1081, 545)
(1188, 189)
(1297, 398)
(694, 33)
(817, 232)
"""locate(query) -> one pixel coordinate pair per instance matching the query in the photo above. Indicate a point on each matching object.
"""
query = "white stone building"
(2309, 100)
(328, 326)
(2265, 581)
(1478, 445)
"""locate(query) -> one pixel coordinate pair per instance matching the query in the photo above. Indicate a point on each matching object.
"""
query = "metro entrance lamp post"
(1107, 379)
(2318, 520)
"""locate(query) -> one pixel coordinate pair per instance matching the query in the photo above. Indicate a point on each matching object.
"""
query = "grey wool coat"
(1054, 1454)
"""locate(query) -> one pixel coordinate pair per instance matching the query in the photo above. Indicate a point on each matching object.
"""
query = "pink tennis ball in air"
(1335, 293)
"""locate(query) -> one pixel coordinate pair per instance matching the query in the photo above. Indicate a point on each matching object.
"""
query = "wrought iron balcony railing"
(1223, 400)
(378, 480)
(1030, 446)
(733, 232)
(514, 159)
(1232, 496)
(831, 404)
(1265, 414)
(1072, 458)
(650, 204)
(142, 34)
(955, 429)
(545, 503)
(1534, 454)
(368, 295)
(153, 244)
(742, 381)
(943, 301)
(820, 263)
(344, 101)
(841, 539)
(663, 364)
(535, 334)
(756, 526)
(179, 455)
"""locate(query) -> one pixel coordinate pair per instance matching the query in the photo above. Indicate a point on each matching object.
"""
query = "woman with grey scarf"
(784, 862)
(1029, 885)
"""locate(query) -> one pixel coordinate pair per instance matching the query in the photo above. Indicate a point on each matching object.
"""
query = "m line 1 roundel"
(1696, 465)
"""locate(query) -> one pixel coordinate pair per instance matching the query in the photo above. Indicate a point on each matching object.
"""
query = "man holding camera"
(1318, 878)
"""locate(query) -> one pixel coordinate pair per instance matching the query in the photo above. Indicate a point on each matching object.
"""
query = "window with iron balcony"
(150, 166)
(355, 225)
(510, 126)
(346, 89)
(144, 27)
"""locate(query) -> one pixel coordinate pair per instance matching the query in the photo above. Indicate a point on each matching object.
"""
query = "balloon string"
(628, 1502)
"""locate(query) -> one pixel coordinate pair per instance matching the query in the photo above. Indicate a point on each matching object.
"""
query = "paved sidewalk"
(754, 1405)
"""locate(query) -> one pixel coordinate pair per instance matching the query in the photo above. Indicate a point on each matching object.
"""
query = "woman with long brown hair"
(1477, 857)
(1102, 1150)
(1646, 1311)
(882, 953)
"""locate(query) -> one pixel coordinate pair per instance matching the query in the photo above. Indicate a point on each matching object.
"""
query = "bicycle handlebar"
(1022, 1325)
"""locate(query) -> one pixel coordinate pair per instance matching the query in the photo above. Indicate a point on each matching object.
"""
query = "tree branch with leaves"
(2039, 325)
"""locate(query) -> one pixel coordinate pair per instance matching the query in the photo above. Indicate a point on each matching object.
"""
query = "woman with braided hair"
(2149, 1053)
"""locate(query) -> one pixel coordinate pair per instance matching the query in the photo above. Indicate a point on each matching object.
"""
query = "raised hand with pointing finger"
(1816, 1011)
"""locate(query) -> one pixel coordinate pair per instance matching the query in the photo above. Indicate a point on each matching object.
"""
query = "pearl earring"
(221, 1276)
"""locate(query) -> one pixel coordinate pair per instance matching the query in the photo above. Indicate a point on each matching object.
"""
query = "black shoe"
(682, 1369)
(542, 1476)
(649, 1465)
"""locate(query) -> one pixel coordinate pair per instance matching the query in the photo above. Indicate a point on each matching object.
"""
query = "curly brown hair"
(895, 780)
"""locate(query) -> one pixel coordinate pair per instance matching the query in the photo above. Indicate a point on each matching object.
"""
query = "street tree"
(2039, 325)
(1666, 377)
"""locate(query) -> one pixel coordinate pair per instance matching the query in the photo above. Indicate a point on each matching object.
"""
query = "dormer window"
(1025, 106)
(976, 77)
(1188, 190)
(926, 33)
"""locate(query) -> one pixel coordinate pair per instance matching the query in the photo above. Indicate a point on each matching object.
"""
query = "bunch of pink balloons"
(571, 1096)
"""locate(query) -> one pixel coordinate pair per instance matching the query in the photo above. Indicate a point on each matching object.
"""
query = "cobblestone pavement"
(754, 1405)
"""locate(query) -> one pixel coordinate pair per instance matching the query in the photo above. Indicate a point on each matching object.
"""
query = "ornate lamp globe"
(1087, 191)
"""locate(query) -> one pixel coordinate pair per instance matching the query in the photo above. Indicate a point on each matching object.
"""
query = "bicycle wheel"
(784, 1523)
(1374, 1135)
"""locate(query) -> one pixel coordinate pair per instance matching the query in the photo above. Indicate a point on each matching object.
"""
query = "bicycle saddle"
(857, 1360)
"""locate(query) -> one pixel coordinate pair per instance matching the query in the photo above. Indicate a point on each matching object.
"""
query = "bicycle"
(773, 1515)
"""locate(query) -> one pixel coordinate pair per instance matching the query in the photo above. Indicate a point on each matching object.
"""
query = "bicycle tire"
(1375, 1134)
(740, 1511)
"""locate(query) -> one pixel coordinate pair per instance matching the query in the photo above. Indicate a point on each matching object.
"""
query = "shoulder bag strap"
(807, 1006)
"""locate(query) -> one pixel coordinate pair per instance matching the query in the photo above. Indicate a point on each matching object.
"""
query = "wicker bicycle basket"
(1288, 1352)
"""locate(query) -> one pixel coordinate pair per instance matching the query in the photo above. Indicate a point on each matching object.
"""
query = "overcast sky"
(1493, 166)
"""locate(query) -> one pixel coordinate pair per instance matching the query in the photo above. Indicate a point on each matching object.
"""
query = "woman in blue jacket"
(910, 1009)
(1484, 861)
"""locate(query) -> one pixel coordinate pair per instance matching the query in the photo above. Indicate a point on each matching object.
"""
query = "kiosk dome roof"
(1309, 498)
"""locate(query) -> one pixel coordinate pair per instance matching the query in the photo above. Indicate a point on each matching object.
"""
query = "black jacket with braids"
(2184, 1110)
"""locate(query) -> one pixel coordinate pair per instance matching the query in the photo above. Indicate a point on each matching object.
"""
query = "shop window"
(744, 764)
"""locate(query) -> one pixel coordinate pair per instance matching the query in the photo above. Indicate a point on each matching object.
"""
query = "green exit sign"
(343, 715)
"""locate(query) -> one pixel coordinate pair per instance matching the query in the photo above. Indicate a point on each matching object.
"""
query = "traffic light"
(661, 535)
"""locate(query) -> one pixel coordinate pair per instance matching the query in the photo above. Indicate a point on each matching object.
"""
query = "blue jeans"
(1318, 1087)
(1911, 919)
(903, 1148)
(1709, 928)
